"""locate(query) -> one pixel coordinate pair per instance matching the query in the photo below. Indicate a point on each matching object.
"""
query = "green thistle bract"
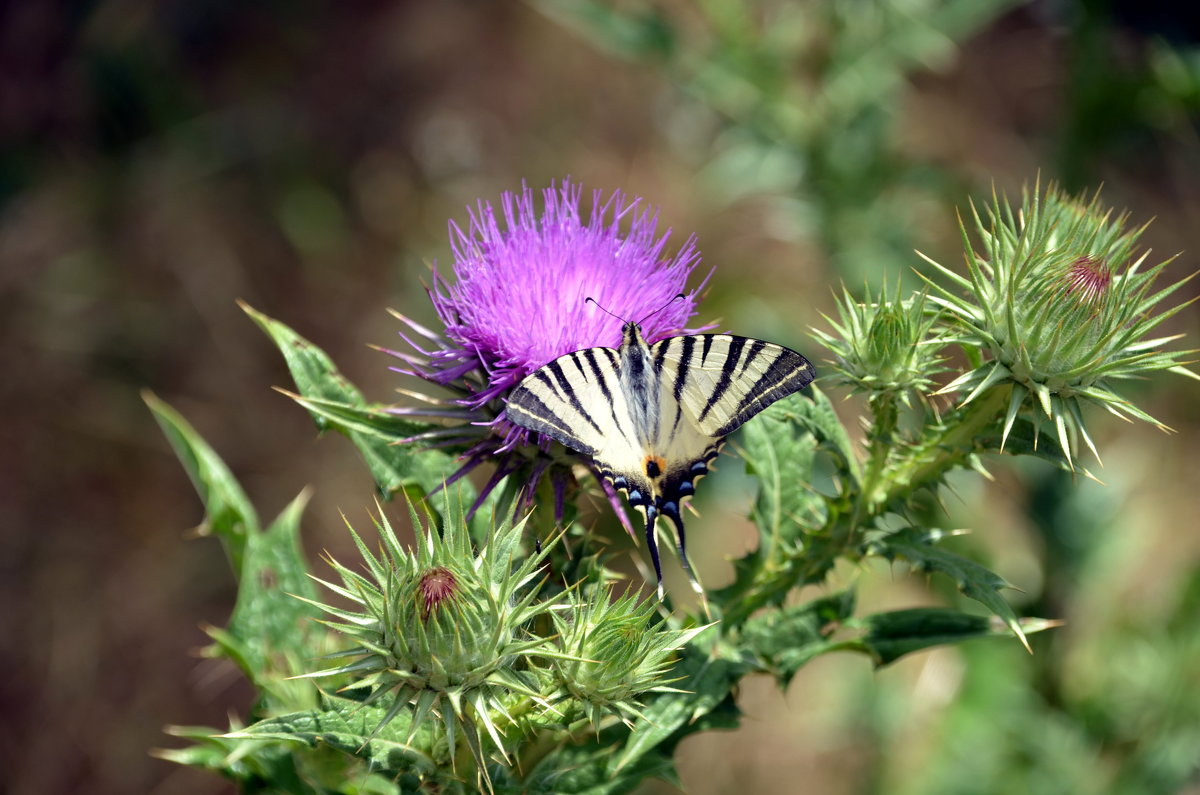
(883, 346)
(613, 651)
(1061, 304)
(441, 630)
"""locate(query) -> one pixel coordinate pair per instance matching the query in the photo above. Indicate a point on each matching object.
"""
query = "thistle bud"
(884, 346)
(442, 630)
(612, 652)
(435, 586)
(1060, 304)
(1087, 280)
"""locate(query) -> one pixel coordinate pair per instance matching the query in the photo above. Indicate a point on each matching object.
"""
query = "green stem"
(881, 443)
(888, 477)
(931, 460)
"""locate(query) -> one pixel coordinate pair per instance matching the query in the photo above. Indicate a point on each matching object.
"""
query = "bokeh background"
(159, 160)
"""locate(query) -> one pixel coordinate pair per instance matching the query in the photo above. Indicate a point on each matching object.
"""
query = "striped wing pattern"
(576, 400)
(721, 381)
(653, 417)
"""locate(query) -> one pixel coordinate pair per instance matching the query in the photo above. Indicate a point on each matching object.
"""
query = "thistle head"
(442, 629)
(515, 299)
(435, 587)
(612, 652)
(883, 345)
(1058, 300)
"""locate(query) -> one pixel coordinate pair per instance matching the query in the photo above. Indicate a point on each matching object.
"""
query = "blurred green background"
(160, 160)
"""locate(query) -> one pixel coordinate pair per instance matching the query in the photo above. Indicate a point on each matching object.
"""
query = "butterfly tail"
(652, 541)
(671, 511)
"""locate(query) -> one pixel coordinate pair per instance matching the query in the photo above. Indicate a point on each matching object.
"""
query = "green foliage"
(457, 666)
(228, 513)
(975, 581)
(335, 403)
(268, 633)
(784, 640)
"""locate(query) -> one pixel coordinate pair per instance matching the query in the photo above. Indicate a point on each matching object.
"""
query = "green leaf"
(352, 728)
(369, 419)
(274, 630)
(780, 453)
(335, 403)
(1024, 439)
(379, 436)
(780, 448)
(818, 418)
(706, 681)
(587, 768)
(894, 634)
(975, 581)
(249, 761)
(314, 372)
(786, 639)
(228, 512)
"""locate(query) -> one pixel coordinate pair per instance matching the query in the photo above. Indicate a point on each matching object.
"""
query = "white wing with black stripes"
(576, 400)
(722, 380)
(653, 417)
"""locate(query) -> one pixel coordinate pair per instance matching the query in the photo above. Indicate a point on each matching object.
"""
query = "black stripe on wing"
(567, 390)
(529, 411)
(601, 379)
(688, 345)
(789, 372)
(736, 344)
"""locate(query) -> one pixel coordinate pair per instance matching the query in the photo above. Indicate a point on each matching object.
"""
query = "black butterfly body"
(652, 417)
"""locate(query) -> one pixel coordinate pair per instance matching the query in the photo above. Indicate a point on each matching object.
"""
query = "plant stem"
(953, 442)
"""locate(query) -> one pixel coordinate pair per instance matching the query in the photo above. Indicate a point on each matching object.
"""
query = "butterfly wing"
(575, 399)
(721, 380)
(652, 418)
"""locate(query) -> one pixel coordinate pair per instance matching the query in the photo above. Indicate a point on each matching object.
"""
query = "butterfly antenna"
(602, 309)
(678, 296)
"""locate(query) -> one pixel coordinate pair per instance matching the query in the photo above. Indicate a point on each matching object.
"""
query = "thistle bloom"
(1063, 306)
(517, 301)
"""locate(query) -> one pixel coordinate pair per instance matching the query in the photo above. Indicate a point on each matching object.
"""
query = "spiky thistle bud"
(883, 346)
(1058, 301)
(612, 652)
(442, 630)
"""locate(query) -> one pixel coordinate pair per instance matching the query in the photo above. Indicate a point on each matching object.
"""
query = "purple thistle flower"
(518, 301)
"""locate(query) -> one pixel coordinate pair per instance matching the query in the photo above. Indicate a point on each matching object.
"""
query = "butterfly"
(653, 417)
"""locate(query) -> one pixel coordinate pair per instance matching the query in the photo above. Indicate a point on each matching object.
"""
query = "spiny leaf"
(894, 634)
(814, 413)
(361, 417)
(786, 639)
(274, 627)
(975, 581)
(352, 728)
(250, 761)
(313, 371)
(335, 403)
(228, 512)
(781, 453)
(705, 680)
(586, 768)
(1024, 439)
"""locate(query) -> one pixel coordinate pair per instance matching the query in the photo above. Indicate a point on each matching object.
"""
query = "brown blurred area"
(159, 161)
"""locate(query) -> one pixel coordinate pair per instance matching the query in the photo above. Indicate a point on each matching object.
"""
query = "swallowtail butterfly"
(653, 417)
